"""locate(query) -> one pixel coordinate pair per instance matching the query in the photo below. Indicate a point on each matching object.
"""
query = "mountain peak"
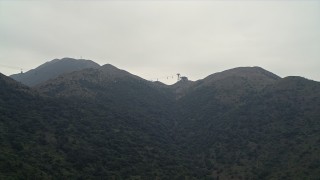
(243, 72)
(231, 86)
(95, 115)
(53, 69)
(111, 71)
(88, 82)
(66, 61)
(251, 73)
(110, 68)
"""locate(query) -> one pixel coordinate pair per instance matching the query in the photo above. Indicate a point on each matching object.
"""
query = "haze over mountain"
(104, 122)
(52, 69)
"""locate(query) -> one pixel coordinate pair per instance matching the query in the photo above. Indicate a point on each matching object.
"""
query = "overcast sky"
(156, 39)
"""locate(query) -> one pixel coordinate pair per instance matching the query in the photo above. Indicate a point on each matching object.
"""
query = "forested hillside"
(105, 123)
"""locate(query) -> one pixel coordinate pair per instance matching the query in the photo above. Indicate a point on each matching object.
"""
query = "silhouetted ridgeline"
(99, 122)
(53, 69)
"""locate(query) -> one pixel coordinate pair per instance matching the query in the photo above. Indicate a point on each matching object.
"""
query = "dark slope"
(254, 73)
(7, 84)
(112, 87)
(254, 77)
(271, 134)
(21, 126)
(223, 91)
(109, 84)
(282, 125)
(125, 113)
(89, 82)
(243, 123)
(52, 69)
(180, 88)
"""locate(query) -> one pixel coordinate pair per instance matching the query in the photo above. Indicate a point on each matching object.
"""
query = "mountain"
(109, 84)
(231, 85)
(88, 82)
(124, 130)
(223, 91)
(181, 87)
(106, 123)
(8, 87)
(252, 73)
(270, 134)
(52, 69)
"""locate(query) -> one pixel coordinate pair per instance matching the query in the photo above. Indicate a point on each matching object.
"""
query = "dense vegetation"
(105, 123)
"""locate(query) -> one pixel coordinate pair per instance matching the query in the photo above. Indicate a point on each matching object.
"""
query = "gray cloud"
(160, 38)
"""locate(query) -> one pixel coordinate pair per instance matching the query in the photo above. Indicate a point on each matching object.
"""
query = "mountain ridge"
(243, 123)
(52, 69)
